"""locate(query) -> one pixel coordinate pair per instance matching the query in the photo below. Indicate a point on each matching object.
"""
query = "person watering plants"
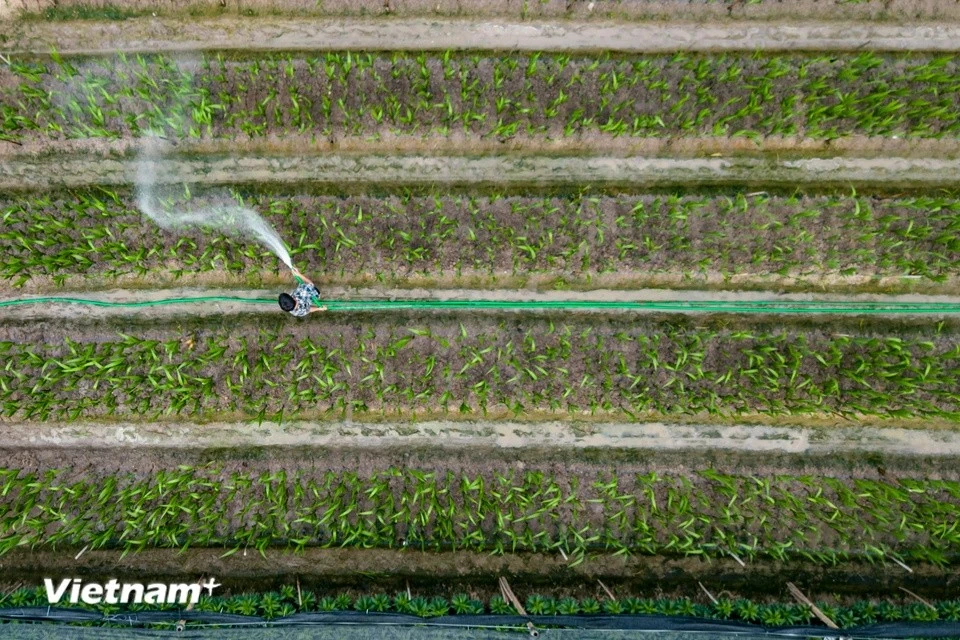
(304, 299)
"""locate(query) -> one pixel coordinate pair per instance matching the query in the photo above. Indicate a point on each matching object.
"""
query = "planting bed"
(787, 509)
(581, 239)
(364, 447)
(337, 95)
(408, 365)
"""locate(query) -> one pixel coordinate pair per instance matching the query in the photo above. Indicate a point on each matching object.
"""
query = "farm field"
(471, 507)
(629, 329)
(340, 95)
(95, 238)
(365, 364)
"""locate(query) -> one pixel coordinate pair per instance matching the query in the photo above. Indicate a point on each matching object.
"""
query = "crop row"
(348, 94)
(401, 365)
(289, 600)
(709, 514)
(573, 236)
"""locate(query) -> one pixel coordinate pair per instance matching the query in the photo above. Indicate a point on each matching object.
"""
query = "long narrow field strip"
(335, 568)
(623, 11)
(765, 307)
(289, 601)
(824, 443)
(825, 520)
(479, 96)
(407, 366)
(351, 172)
(269, 33)
(584, 239)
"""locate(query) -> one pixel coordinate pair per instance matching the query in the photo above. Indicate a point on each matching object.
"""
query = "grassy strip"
(64, 13)
(709, 514)
(555, 96)
(341, 364)
(287, 601)
(577, 236)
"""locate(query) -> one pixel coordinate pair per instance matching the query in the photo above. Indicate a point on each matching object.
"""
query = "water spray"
(231, 220)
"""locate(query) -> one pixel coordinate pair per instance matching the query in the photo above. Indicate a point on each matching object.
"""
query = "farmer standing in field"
(301, 301)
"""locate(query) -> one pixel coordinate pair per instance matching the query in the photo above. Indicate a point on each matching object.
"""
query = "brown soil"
(267, 33)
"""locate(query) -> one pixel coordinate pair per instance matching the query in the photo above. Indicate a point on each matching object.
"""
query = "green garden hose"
(711, 306)
(132, 305)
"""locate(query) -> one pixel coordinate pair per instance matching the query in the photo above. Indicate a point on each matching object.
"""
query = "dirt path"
(343, 171)
(268, 283)
(861, 440)
(699, 10)
(262, 300)
(157, 35)
(594, 144)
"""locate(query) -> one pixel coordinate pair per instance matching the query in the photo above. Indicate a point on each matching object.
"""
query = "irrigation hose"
(706, 306)
(131, 305)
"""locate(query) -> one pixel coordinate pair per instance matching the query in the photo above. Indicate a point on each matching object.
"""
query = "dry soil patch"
(506, 172)
(157, 35)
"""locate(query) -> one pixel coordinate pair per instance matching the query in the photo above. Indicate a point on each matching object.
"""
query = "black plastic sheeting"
(344, 632)
(646, 623)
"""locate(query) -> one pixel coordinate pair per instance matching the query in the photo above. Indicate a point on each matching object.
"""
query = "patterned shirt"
(304, 294)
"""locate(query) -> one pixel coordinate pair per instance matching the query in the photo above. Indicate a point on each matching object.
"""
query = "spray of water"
(235, 221)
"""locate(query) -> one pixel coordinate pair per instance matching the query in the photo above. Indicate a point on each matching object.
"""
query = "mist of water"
(231, 220)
